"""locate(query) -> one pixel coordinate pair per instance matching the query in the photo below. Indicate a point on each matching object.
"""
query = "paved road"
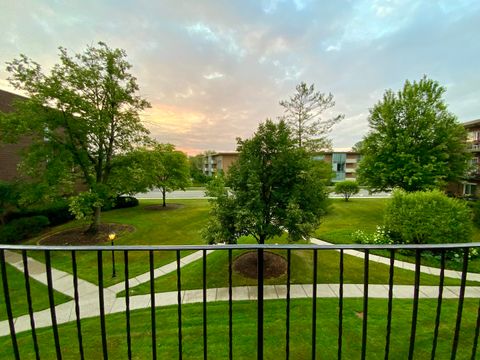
(200, 194)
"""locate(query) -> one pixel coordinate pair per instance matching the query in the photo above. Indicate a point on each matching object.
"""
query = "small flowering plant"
(379, 237)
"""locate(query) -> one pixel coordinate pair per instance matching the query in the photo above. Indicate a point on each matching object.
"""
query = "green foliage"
(414, 142)
(83, 114)
(347, 188)
(303, 113)
(475, 206)
(84, 204)
(57, 212)
(428, 217)
(23, 228)
(196, 169)
(379, 237)
(9, 197)
(123, 202)
(161, 167)
(221, 225)
(274, 186)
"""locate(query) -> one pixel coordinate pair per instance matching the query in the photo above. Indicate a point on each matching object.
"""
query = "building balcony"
(434, 314)
(473, 147)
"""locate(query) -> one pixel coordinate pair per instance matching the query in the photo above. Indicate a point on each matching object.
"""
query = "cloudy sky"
(213, 70)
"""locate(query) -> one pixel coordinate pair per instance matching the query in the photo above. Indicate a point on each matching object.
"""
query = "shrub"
(57, 213)
(121, 202)
(347, 188)
(23, 228)
(125, 202)
(475, 206)
(379, 237)
(427, 217)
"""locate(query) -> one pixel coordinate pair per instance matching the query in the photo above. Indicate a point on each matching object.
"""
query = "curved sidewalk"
(403, 264)
(89, 293)
(90, 307)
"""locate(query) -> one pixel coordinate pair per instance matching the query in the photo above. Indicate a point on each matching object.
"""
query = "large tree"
(273, 186)
(303, 114)
(414, 142)
(81, 114)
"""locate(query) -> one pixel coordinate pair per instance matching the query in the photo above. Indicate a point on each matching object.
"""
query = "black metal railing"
(391, 250)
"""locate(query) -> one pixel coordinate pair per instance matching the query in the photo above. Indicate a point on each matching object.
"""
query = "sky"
(213, 70)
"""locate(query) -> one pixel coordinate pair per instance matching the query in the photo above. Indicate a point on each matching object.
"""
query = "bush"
(379, 237)
(121, 202)
(125, 202)
(347, 188)
(475, 206)
(23, 228)
(428, 217)
(57, 213)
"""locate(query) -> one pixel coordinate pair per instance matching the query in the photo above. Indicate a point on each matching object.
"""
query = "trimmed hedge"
(23, 228)
(427, 217)
(57, 213)
(122, 202)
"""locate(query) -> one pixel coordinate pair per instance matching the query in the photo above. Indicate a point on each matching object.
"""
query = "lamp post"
(112, 236)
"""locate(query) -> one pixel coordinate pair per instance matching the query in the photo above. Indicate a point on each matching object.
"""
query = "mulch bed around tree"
(78, 236)
(161, 207)
(273, 265)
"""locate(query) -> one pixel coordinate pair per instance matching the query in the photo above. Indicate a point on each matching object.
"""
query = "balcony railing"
(341, 290)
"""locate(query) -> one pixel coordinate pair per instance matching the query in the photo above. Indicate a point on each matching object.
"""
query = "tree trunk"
(93, 228)
(262, 238)
(163, 196)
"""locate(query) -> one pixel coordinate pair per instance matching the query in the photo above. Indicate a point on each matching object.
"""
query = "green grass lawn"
(244, 331)
(18, 294)
(301, 273)
(182, 226)
(345, 218)
(152, 227)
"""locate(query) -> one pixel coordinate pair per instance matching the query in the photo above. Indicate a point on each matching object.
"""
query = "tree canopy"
(347, 188)
(166, 168)
(303, 115)
(81, 114)
(273, 186)
(414, 142)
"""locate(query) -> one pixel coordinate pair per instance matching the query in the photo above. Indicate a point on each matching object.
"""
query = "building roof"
(7, 99)
(226, 153)
(471, 123)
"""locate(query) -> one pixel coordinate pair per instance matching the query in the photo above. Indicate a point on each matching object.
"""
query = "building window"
(469, 189)
(338, 165)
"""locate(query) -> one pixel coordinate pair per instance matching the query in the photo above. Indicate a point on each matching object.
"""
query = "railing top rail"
(240, 246)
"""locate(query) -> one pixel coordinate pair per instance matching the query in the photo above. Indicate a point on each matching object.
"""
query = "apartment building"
(344, 162)
(218, 162)
(10, 154)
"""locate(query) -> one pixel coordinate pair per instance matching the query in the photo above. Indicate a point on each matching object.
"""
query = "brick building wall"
(10, 154)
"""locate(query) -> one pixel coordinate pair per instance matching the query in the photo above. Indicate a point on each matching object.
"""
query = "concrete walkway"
(89, 293)
(89, 307)
(402, 264)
